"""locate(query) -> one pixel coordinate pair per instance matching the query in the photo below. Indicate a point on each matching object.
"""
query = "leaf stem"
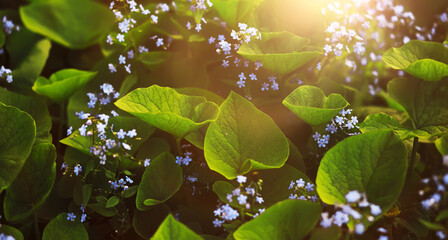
(413, 156)
(36, 227)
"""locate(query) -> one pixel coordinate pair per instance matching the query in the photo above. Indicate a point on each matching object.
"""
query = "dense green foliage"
(223, 119)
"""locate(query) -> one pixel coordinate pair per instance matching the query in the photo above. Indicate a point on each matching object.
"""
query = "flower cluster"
(302, 190)
(106, 142)
(6, 73)
(229, 49)
(360, 23)
(344, 121)
(441, 184)
(185, 160)
(354, 210)
(121, 183)
(9, 26)
(124, 12)
(200, 5)
(72, 217)
(244, 199)
(6, 237)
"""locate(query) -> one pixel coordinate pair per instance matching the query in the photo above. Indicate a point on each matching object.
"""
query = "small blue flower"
(147, 162)
(83, 217)
(77, 169)
(241, 179)
(71, 217)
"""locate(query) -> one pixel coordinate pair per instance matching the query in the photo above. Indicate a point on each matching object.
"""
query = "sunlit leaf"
(425, 60)
(374, 163)
(289, 219)
(310, 104)
(243, 138)
(62, 84)
(279, 52)
(168, 110)
(171, 229)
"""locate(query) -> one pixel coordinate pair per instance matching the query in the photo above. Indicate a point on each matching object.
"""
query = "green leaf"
(66, 23)
(279, 52)
(29, 53)
(171, 229)
(430, 225)
(310, 104)
(127, 84)
(289, 219)
(161, 180)
(235, 11)
(86, 193)
(425, 60)
(243, 138)
(222, 188)
(34, 107)
(331, 233)
(154, 58)
(112, 202)
(131, 191)
(33, 184)
(61, 228)
(442, 144)
(17, 131)
(373, 163)
(11, 231)
(382, 121)
(197, 137)
(168, 110)
(425, 102)
(146, 223)
(62, 84)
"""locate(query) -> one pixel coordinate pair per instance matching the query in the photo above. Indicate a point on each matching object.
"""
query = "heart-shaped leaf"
(310, 104)
(425, 60)
(382, 121)
(61, 228)
(33, 106)
(425, 102)
(279, 52)
(62, 84)
(168, 110)
(161, 180)
(171, 229)
(243, 138)
(66, 23)
(17, 131)
(374, 163)
(33, 184)
(11, 231)
(289, 219)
